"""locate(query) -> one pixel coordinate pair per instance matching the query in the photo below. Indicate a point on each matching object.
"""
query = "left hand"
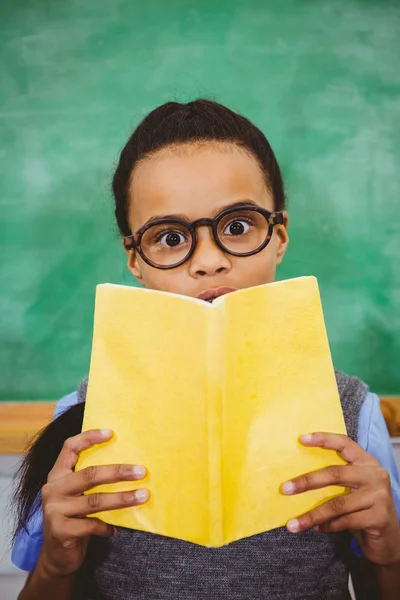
(368, 511)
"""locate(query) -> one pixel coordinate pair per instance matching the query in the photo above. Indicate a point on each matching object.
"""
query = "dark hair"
(37, 463)
(169, 124)
(201, 120)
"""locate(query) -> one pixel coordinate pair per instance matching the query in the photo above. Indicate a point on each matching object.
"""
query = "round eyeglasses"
(240, 231)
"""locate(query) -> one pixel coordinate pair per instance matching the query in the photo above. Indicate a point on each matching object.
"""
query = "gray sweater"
(275, 565)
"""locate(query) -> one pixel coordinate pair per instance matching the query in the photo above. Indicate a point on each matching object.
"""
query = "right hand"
(66, 530)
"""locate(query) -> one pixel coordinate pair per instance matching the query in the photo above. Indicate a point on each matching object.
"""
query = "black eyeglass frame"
(133, 242)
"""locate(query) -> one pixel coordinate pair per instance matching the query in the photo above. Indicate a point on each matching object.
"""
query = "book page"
(279, 384)
(148, 383)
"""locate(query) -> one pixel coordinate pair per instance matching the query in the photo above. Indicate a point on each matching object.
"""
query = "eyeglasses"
(239, 231)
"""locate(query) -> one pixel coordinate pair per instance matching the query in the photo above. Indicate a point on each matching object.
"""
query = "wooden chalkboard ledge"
(20, 421)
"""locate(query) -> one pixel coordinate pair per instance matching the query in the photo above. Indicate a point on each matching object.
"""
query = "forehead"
(194, 180)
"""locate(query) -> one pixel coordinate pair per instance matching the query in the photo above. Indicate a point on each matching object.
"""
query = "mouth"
(210, 295)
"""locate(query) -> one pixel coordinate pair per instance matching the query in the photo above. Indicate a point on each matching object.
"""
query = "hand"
(368, 511)
(66, 530)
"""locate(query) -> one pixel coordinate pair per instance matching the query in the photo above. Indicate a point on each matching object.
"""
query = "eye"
(237, 227)
(171, 239)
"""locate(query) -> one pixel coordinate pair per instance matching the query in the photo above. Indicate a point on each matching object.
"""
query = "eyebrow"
(215, 212)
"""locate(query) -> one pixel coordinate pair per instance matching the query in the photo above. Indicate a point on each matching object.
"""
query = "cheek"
(258, 272)
(172, 280)
(258, 269)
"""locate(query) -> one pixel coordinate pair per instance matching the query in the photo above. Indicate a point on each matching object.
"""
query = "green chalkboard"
(321, 79)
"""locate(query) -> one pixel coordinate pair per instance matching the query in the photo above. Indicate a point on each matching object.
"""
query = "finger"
(80, 528)
(81, 481)
(97, 502)
(355, 521)
(334, 508)
(345, 475)
(348, 450)
(72, 446)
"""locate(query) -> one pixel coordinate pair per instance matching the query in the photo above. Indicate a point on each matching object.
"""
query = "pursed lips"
(211, 294)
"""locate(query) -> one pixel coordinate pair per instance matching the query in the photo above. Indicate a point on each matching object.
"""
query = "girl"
(198, 192)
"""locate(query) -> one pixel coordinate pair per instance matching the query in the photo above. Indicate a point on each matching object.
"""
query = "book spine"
(214, 420)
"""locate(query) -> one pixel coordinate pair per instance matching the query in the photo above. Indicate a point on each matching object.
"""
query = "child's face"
(198, 181)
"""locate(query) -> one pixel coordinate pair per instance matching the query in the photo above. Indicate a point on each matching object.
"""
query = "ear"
(282, 238)
(133, 264)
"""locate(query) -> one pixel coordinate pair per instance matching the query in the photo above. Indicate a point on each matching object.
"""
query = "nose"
(208, 258)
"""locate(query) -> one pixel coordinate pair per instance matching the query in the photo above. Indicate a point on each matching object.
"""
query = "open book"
(212, 399)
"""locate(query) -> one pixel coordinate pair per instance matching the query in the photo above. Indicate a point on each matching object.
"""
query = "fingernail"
(141, 495)
(106, 433)
(136, 470)
(288, 488)
(293, 525)
(115, 531)
(306, 438)
(139, 471)
(127, 470)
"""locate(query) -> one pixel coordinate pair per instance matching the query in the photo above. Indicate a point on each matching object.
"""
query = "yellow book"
(212, 398)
